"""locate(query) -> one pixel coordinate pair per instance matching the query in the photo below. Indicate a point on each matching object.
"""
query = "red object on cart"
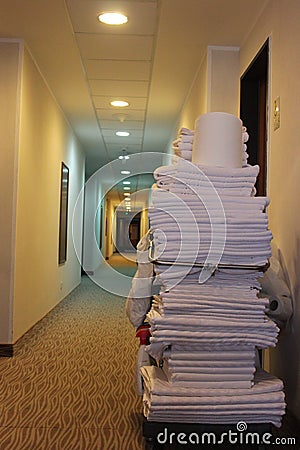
(143, 332)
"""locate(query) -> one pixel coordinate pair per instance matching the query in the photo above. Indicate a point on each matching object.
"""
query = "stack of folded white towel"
(206, 335)
(224, 310)
(183, 145)
(169, 402)
(194, 207)
(217, 368)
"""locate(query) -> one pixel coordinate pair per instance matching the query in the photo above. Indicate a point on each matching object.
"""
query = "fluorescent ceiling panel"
(119, 88)
(117, 70)
(94, 46)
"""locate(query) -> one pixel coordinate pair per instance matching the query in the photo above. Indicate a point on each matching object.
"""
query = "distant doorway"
(128, 229)
(254, 112)
(135, 230)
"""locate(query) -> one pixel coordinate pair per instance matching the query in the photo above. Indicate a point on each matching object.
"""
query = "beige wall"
(109, 216)
(46, 139)
(10, 61)
(144, 221)
(223, 79)
(215, 86)
(196, 102)
(280, 20)
(92, 208)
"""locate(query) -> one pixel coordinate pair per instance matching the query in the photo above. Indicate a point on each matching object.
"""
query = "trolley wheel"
(149, 443)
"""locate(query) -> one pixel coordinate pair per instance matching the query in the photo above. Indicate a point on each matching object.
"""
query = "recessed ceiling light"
(125, 172)
(127, 193)
(126, 182)
(113, 18)
(119, 103)
(126, 188)
(122, 133)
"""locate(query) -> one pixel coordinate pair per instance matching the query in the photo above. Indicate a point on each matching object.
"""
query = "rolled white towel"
(185, 145)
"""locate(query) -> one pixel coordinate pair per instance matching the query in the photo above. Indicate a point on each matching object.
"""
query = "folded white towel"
(186, 364)
(203, 193)
(182, 145)
(204, 182)
(245, 136)
(185, 169)
(187, 138)
(198, 324)
(165, 338)
(157, 383)
(209, 377)
(211, 419)
(186, 131)
(211, 373)
(185, 154)
(160, 195)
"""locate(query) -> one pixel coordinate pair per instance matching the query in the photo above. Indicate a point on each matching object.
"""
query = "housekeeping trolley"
(206, 330)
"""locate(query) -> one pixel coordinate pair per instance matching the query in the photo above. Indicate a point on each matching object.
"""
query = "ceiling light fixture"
(113, 18)
(126, 188)
(127, 194)
(119, 103)
(124, 155)
(125, 172)
(123, 133)
(126, 182)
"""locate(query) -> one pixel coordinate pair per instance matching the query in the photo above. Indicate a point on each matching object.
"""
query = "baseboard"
(6, 350)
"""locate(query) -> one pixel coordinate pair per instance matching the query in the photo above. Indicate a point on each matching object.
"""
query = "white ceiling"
(151, 62)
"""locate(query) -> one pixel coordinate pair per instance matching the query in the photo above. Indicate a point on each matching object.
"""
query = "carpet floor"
(71, 382)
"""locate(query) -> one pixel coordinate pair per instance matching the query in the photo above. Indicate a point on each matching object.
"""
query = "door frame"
(255, 105)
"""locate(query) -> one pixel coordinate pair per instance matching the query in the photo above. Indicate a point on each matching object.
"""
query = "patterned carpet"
(71, 382)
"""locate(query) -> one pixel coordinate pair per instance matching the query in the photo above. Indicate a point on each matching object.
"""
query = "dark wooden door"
(253, 112)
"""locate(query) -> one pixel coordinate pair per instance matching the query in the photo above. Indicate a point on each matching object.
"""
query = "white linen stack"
(206, 335)
(183, 145)
(200, 211)
(168, 402)
(224, 311)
